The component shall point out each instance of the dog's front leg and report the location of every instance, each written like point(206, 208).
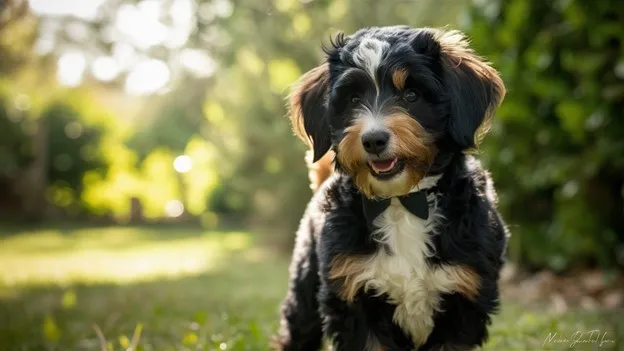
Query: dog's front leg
point(301, 328)
point(345, 325)
point(363, 324)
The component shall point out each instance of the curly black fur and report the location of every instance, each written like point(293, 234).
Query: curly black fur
point(470, 233)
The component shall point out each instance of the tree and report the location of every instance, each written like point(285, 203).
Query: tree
point(254, 50)
point(11, 10)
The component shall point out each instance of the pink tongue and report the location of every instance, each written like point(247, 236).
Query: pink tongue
point(383, 166)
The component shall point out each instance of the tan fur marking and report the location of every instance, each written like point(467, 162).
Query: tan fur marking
point(351, 155)
point(413, 143)
point(398, 78)
point(348, 267)
point(373, 344)
point(321, 170)
point(466, 279)
point(350, 148)
point(449, 347)
point(456, 53)
point(313, 78)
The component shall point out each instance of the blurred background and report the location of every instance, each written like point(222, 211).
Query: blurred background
point(150, 184)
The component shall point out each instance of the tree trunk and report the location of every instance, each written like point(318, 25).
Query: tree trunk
point(37, 175)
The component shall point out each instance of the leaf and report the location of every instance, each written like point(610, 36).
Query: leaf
point(249, 61)
point(51, 331)
point(337, 10)
point(190, 338)
point(282, 73)
point(285, 5)
point(272, 165)
point(200, 317)
point(136, 337)
point(124, 341)
point(571, 114)
point(214, 113)
point(69, 299)
point(301, 23)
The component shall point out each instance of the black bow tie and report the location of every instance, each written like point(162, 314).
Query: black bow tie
point(415, 202)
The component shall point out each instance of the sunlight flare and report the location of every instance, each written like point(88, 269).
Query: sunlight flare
point(119, 255)
point(147, 77)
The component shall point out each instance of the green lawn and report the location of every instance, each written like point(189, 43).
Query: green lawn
point(182, 289)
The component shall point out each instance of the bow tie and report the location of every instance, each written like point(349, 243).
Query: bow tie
point(416, 203)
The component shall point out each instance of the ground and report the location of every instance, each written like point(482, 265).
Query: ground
point(186, 289)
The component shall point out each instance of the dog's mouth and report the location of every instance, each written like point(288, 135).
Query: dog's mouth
point(387, 168)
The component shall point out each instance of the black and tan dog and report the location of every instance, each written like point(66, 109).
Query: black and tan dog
point(401, 247)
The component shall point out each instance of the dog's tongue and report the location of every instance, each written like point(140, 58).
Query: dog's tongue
point(383, 166)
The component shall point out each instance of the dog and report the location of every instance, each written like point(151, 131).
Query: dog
point(402, 245)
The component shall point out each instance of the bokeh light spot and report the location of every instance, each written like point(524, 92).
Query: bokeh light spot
point(147, 77)
point(22, 102)
point(70, 68)
point(105, 68)
point(174, 208)
point(183, 164)
point(73, 130)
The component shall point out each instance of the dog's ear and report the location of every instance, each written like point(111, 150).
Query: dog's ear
point(476, 89)
point(308, 107)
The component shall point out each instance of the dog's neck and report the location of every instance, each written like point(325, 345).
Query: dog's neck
point(426, 183)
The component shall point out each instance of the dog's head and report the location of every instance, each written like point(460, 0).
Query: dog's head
point(391, 101)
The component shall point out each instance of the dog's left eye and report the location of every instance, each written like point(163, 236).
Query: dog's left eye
point(411, 96)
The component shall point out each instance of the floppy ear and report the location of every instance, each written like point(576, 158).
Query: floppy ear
point(476, 89)
point(308, 110)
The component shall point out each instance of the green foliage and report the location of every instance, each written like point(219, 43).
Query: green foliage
point(171, 120)
point(73, 148)
point(259, 48)
point(14, 149)
point(271, 43)
point(227, 200)
point(556, 150)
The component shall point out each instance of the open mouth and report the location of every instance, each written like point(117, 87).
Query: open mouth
point(385, 169)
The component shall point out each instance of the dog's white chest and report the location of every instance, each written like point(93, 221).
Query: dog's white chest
point(402, 272)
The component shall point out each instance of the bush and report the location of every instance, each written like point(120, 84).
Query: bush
point(556, 150)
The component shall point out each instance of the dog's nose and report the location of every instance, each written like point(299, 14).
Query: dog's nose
point(375, 142)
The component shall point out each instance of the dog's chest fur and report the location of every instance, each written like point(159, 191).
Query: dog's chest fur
point(400, 269)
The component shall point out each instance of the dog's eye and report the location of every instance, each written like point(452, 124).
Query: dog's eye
point(411, 96)
point(354, 99)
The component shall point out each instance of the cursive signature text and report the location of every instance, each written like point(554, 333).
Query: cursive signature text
point(595, 337)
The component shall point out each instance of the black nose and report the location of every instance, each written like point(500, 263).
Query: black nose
point(375, 142)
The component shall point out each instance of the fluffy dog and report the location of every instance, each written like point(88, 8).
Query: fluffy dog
point(401, 247)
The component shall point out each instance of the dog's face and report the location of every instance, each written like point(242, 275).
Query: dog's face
point(390, 101)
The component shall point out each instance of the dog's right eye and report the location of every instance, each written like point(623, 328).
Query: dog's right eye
point(411, 95)
point(355, 99)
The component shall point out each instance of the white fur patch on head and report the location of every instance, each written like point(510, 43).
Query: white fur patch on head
point(368, 56)
point(370, 121)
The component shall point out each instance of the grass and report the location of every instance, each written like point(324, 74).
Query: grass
point(183, 289)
